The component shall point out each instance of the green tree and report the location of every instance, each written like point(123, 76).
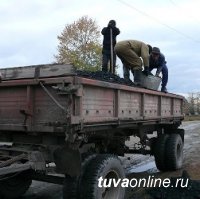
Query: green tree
point(79, 44)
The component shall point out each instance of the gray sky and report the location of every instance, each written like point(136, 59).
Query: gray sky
point(29, 30)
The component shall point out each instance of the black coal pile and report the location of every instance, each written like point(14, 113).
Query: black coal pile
point(191, 191)
point(104, 76)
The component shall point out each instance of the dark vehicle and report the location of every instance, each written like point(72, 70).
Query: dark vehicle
point(53, 121)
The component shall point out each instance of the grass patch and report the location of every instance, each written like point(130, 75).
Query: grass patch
point(191, 117)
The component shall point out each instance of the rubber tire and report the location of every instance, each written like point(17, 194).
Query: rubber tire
point(71, 186)
point(160, 151)
point(16, 186)
point(174, 152)
point(101, 166)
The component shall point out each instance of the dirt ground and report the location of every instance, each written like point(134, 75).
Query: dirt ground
point(192, 149)
point(143, 166)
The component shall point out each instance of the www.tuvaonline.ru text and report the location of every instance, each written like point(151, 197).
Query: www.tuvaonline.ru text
point(142, 182)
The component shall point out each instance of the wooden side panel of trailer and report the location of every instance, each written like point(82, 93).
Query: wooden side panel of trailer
point(25, 105)
point(102, 102)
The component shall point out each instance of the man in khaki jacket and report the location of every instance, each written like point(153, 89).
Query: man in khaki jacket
point(133, 55)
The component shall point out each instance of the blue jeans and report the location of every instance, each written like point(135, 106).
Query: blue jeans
point(164, 72)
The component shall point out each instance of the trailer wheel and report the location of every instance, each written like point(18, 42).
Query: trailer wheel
point(71, 186)
point(16, 185)
point(107, 167)
point(174, 152)
point(159, 152)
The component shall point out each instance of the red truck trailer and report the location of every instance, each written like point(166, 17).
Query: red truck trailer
point(53, 121)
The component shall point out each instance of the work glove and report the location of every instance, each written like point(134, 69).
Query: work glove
point(158, 71)
point(157, 74)
point(146, 71)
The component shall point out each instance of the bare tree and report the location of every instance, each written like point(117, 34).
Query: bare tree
point(194, 103)
point(198, 103)
point(191, 100)
point(79, 44)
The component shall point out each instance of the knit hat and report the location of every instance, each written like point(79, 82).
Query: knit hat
point(156, 50)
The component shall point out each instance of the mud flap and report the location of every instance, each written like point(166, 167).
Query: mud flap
point(68, 161)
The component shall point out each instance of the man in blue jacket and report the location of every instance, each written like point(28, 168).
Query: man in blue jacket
point(157, 60)
point(106, 51)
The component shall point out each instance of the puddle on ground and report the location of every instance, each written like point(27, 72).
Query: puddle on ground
point(149, 167)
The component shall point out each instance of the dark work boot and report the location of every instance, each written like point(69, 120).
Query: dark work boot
point(137, 77)
point(164, 89)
